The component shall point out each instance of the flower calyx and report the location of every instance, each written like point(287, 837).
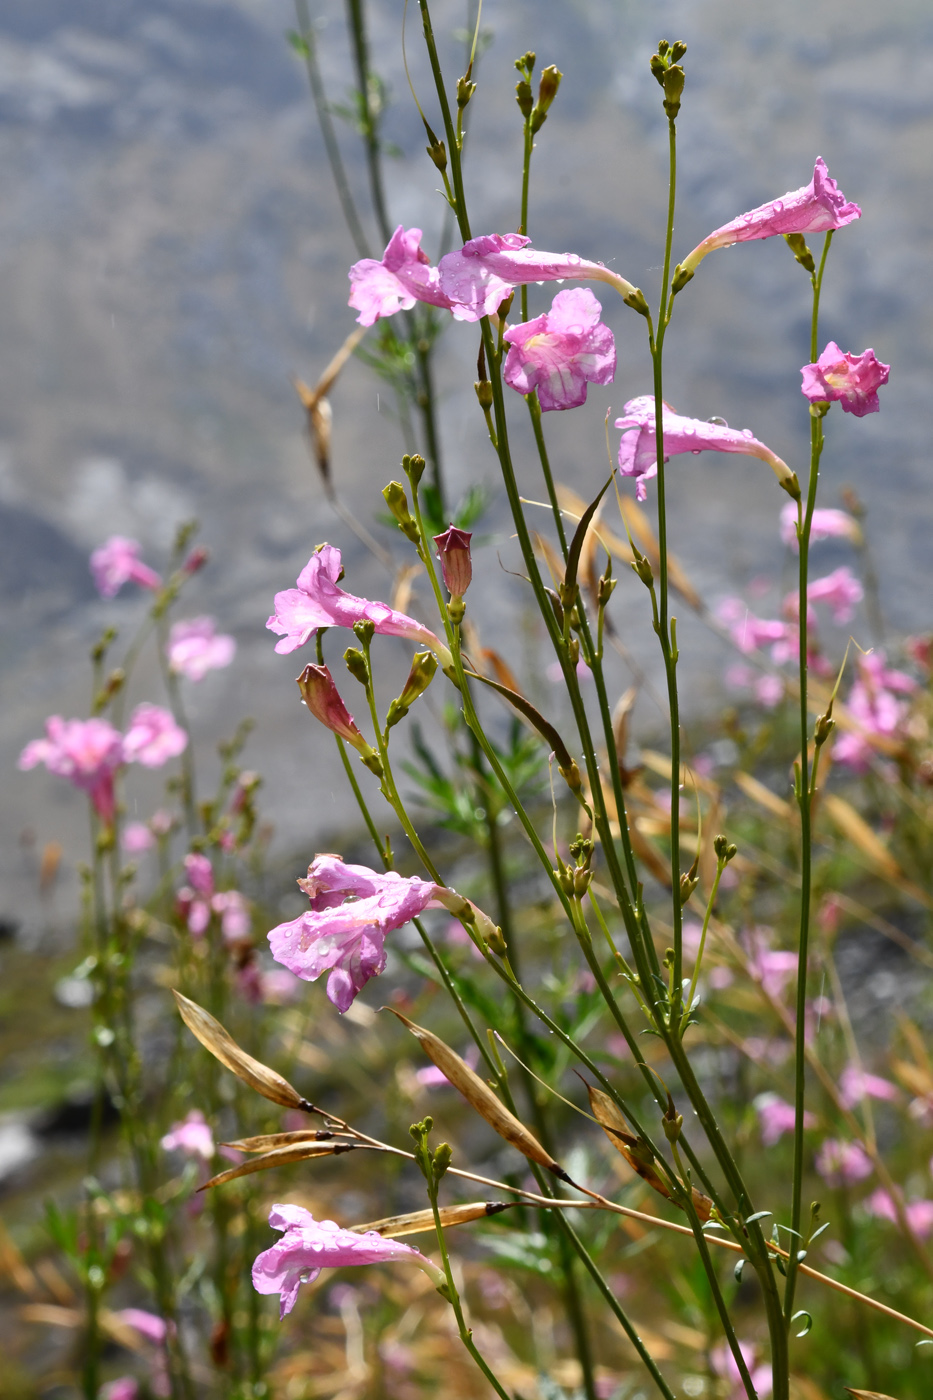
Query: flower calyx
point(397, 501)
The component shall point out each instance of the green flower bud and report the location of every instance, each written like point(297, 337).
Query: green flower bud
point(524, 98)
point(413, 467)
point(798, 246)
point(356, 665)
point(397, 502)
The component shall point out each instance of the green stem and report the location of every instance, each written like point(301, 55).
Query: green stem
point(804, 799)
point(356, 23)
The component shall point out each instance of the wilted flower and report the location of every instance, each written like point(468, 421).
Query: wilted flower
point(481, 274)
point(153, 737)
point(843, 1163)
point(403, 276)
point(814, 208)
point(556, 354)
point(852, 380)
point(638, 449)
point(117, 562)
point(308, 1246)
point(194, 648)
point(453, 550)
point(192, 1136)
point(824, 525)
point(318, 602)
point(85, 751)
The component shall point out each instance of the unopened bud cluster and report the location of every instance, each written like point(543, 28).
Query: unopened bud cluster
point(665, 65)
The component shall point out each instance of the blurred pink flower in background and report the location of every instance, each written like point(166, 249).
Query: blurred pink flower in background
point(874, 705)
point(403, 276)
point(777, 1117)
point(153, 737)
point(855, 1086)
point(774, 968)
point(768, 689)
point(723, 1364)
point(843, 1163)
point(195, 647)
point(318, 602)
point(841, 590)
point(271, 987)
point(152, 1329)
point(748, 632)
point(430, 1077)
point(137, 838)
point(919, 1213)
point(123, 1388)
point(307, 1246)
point(852, 380)
point(197, 901)
point(117, 562)
point(558, 353)
point(825, 524)
point(638, 449)
point(87, 752)
point(192, 1136)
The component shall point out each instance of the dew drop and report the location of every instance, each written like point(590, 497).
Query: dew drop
point(718, 422)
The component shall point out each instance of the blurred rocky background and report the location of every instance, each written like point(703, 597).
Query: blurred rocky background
point(171, 253)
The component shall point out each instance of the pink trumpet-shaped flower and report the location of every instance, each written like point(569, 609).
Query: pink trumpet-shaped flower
point(638, 450)
point(825, 525)
point(403, 276)
point(307, 1246)
point(194, 648)
point(814, 208)
point(852, 380)
point(153, 737)
point(559, 352)
point(318, 602)
point(343, 933)
point(87, 752)
point(117, 562)
point(481, 274)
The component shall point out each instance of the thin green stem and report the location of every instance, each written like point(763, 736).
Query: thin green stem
point(804, 796)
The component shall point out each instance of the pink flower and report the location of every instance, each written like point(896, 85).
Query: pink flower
point(852, 380)
point(318, 602)
point(343, 933)
point(723, 1364)
point(814, 208)
point(152, 1329)
point(430, 1077)
point(153, 737)
point(273, 988)
point(137, 838)
point(747, 631)
point(194, 648)
point(638, 449)
point(117, 562)
point(201, 874)
point(919, 1213)
point(404, 276)
point(233, 911)
point(855, 1085)
point(824, 525)
point(86, 752)
point(192, 1136)
point(776, 1117)
point(843, 1163)
point(307, 1246)
point(123, 1388)
point(559, 352)
point(840, 589)
point(197, 902)
point(481, 274)
point(774, 968)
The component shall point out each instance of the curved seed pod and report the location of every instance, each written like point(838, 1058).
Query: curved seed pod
point(479, 1096)
point(267, 1141)
point(225, 1049)
point(635, 1151)
point(868, 1394)
point(281, 1156)
point(421, 1221)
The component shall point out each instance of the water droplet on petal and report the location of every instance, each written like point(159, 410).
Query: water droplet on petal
point(719, 422)
point(695, 451)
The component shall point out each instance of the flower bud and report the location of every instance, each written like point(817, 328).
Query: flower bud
point(524, 98)
point(397, 501)
point(196, 560)
point(465, 90)
point(636, 300)
point(323, 699)
point(724, 849)
point(356, 665)
point(672, 1126)
point(420, 677)
point(825, 725)
point(438, 153)
point(642, 567)
point(484, 394)
point(571, 777)
point(547, 91)
point(441, 1160)
point(453, 550)
point(798, 246)
point(413, 467)
point(688, 883)
point(682, 275)
point(604, 591)
point(364, 629)
point(674, 80)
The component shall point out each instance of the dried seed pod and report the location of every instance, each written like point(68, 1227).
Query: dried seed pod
point(282, 1156)
point(635, 1151)
point(479, 1096)
point(225, 1049)
point(420, 1221)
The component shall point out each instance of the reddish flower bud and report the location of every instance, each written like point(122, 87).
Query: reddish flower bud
point(453, 550)
point(323, 699)
point(196, 559)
